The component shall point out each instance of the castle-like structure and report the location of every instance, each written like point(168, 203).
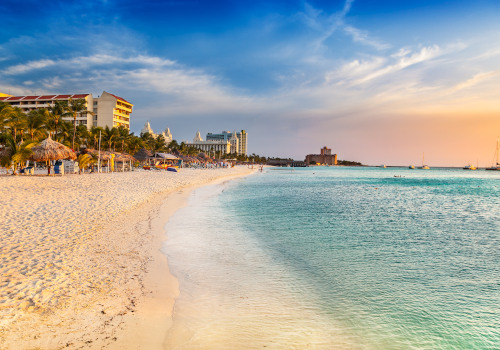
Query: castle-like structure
point(167, 135)
point(325, 157)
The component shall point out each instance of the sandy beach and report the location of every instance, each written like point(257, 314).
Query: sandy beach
point(80, 258)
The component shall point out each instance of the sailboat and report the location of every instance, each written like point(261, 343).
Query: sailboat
point(411, 167)
point(497, 166)
point(425, 167)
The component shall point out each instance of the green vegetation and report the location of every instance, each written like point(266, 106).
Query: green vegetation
point(348, 163)
point(19, 131)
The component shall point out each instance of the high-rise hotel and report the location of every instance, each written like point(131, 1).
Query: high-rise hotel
point(225, 142)
point(238, 140)
point(108, 109)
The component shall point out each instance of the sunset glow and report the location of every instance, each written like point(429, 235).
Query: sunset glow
point(378, 83)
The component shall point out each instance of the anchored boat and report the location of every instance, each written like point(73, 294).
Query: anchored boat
point(497, 166)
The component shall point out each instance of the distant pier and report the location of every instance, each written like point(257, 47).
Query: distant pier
point(287, 163)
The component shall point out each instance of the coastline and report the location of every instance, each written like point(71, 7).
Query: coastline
point(148, 326)
point(85, 270)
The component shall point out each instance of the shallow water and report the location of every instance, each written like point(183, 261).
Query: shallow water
point(352, 258)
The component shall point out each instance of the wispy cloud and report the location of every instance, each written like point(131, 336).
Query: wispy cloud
point(30, 66)
point(86, 61)
point(363, 37)
point(476, 79)
point(359, 72)
point(327, 24)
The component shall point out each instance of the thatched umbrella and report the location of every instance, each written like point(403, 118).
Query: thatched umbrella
point(123, 157)
point(49, 150)
point(143, 155)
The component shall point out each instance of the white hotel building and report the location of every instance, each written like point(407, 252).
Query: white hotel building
point(226, 142)
point(108, 109)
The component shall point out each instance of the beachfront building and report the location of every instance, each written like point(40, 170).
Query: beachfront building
point(238, 140)
point(167, 135)
point(108, 110)
point(210, 146)
point(111, 110)
point(325, 157)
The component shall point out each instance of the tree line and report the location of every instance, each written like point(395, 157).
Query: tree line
point(19, 131)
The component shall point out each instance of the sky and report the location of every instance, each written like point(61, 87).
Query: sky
point(379, 82)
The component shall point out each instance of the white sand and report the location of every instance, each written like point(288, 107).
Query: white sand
point(80, 265)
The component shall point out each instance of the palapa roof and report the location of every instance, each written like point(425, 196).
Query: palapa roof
point(123, 157)
point(106, 155)
point(165, 155)
point(190, 159)
point(143, 154)
point(49, 149)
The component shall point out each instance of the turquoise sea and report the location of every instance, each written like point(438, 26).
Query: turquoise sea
point(339, 258)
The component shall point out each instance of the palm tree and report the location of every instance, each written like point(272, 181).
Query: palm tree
point(35, 119)
point(173, 145)
point(84, 161)
point(15, 153)
point(159, 144)
point(82, 135)
point(134, 144)
point(14, 119)
point(110, 137)
point(53, 117)
point(75, 108)
point(123, 136)
point(3, 105)
point(65, 131)
point(94, 133)
point(148, 140)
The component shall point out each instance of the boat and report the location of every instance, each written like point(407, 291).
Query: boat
point(469, 167)
point(411, 167)
point(174, 169)
point(425, 167)
point(382, 166)
point(497, 166)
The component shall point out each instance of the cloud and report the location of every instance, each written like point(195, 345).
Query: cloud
point(476, 79)
point(30, 66)
point(170, 87)
point(359, 72)
point(86, 61)
point(362, 37)
point(347, 8)
point(328, 24)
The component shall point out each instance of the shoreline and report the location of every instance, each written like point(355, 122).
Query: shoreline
point(148, 327)
point(85, 270)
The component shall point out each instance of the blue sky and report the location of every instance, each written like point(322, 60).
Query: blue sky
point(378, 81)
